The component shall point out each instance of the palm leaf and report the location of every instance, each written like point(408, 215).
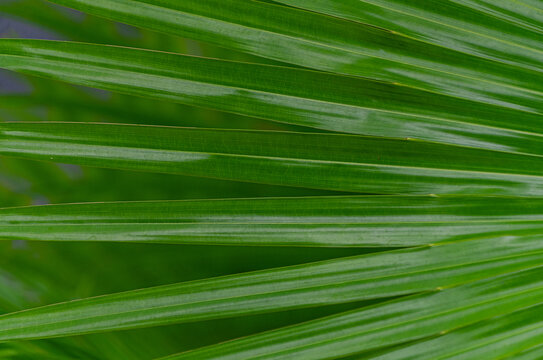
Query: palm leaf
point(387, 324)
point(440, 109)
point(354, 221)
point(326, 43)
point(322, 161)
point(496, 338)
point(294, 96)
point(493, 30)
point(370, 276)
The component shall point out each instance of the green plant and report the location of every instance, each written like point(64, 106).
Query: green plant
point(371, 180)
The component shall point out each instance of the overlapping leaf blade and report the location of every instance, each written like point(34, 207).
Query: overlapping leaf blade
point(386, 324)
point(497, 338)
point(327, 43)
point(330, 282)
point(324, 161)
point(466, 26)
point(534, 352)
point(462, 72)
point(294, 96)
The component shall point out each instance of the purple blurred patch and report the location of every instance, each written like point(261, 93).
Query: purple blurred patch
point(11, 83)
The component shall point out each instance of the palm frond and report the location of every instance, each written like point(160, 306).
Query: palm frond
point(378, 166)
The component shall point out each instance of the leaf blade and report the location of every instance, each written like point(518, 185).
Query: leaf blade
point(326, 43)
point(325, 161)
point(386, 324)
point(323, 283)
point(295, 96)
point(501, 337)
point(354, 221)
point(464, 26)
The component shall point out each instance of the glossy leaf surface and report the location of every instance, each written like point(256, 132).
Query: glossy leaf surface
point(387, 324)
point(415, 234)
point(327, 43)
point(504, 336)
point(465, 26)
point(334, 162)
point(383, 221)
point(295, 96)
point(336, 281)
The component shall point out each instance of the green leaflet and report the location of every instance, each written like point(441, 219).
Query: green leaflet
point(66, 102)
point(495, 338)
point(532, 353)
point(326, 43)
point(77, 270)
point(460, 25)
point(72, 106)
point(328, 282)
point(383, 221)
point(325, 161)
point(523, 13)
point(387, 324)
point(295, 96)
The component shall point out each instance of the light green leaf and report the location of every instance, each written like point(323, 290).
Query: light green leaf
point(496, 338)
point(295, 96)
point(384, 221)
point(535, 352)
point(386, 324)
point(335, 162)
point(465, 26)
point(439, 97)
point(327, 43)
point(329, 282)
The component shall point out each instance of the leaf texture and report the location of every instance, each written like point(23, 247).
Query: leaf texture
point(386, 324)
point(334, 162)
point(327, 43)
point(330, 282)
point(294, 96)
point(375, 221)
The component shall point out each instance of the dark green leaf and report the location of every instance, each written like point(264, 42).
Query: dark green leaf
point(294, 96)
point(335, 162)
point(326, 43)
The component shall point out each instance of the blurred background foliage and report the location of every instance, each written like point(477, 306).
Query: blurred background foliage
point(33, 274)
